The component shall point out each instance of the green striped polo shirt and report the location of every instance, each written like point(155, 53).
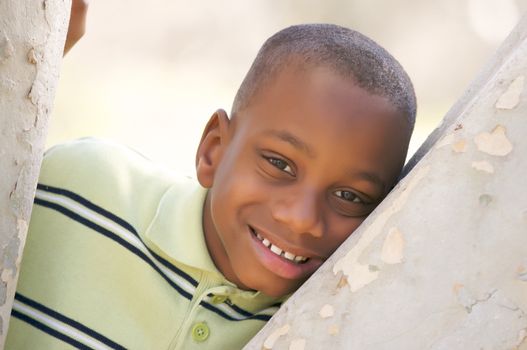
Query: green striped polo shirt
point(116, 258)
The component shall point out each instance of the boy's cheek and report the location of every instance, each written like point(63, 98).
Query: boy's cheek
point(341, 234)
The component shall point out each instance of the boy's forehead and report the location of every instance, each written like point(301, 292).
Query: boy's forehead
point(303, 86)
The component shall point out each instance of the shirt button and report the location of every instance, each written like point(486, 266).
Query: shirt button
point(218, 299)
point(200, 332)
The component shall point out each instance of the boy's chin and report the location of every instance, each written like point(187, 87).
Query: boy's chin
point(278, 290)
point(279, 294)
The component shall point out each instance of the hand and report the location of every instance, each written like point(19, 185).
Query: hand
point(77, 26)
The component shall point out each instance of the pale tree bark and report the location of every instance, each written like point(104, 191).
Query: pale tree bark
point(32, 34)
point(442, 263)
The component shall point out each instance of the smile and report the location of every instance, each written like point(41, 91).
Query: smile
point(298, 259)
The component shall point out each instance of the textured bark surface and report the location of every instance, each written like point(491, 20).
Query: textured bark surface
point(442, 263)
point(32, 35)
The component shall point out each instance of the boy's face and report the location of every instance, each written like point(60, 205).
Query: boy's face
point(294, 174)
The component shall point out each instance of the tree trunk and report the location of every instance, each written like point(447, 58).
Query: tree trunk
point(442, 263)
point(32, 35)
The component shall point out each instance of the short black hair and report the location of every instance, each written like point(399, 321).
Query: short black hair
point(341, 49)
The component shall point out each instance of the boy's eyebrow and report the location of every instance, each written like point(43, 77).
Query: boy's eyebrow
point(370, 177)
point(293, 140)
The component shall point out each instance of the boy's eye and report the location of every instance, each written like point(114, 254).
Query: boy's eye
point(348, 196)
point(280, 164)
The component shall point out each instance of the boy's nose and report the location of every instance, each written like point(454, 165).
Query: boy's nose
point(300, 212)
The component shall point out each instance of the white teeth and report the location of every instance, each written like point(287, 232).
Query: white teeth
point(300, 258)
point(275, 249)
point(279, 251)
point(289, 256)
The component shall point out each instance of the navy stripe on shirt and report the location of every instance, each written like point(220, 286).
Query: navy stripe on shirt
point(76, 217)
point(62, 318)
point(103, 212)
point(261, 317)
point(112, 217)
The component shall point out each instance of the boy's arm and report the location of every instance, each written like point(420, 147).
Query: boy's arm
point(77, 26)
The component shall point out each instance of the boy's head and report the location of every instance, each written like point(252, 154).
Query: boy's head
point(317, 137)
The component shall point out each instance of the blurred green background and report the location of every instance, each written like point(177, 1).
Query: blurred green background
point(150, 73)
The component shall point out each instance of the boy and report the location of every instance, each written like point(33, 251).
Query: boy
point(123, 255)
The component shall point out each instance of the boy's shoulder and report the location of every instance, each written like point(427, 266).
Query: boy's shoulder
point(90, 159)
point(90, 153)
point(115, 177)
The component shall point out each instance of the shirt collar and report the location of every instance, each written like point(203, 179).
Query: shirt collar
point(177, 228)
point(177, 233)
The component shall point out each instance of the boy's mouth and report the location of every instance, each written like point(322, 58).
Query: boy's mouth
point(297, 259)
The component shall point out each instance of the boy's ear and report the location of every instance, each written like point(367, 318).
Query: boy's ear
point(211, 147)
